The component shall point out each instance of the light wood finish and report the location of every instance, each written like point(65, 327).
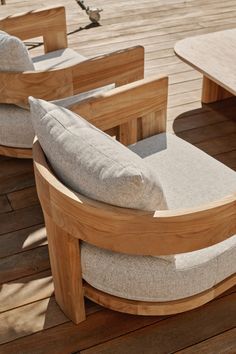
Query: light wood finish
point(64, 253)
point(119, 67)
point(169, 232)
point(118, 107)
point(157, 25)
point(157, 308)
point(15, 152)
point(212, 92)
point(124, 230)
point(214, 55)
point(49, 23)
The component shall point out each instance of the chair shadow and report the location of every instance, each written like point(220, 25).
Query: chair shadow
point(32, 45)
point(211, 128)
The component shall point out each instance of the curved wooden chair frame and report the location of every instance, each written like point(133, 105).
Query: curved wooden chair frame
point(71, 217)
point(119, 67)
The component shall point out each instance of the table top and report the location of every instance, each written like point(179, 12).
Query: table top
point(213, 54)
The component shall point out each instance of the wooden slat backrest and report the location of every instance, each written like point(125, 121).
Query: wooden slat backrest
point(49, 23)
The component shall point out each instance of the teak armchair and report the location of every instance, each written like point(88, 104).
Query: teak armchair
point(73, 220)
point(59, 81)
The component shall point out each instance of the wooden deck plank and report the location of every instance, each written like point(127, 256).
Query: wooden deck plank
point(31, 321)
point(4, 204)
point(26, 290)
point(100, 326)
point(223, 343)
point(177, 332)
point(22, 240)
point(23, 264)
point(20, 219)
point(23, 198)
point(15, 174)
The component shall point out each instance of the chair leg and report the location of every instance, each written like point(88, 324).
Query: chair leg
point(64, 253)
point(212, 92)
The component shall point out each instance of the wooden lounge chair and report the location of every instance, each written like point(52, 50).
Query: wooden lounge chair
point(21, 77)
point(92, 189)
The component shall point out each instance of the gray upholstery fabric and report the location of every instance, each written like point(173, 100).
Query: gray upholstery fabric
point(154, 279)
point(70, 101)
point(13, 54)
point(189, 178)
point(91, 162)
point(58, 59)
point(16, 128)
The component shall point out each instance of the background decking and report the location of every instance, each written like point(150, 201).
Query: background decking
point(30, 320)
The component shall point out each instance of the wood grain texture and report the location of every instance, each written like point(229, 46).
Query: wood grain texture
point(64, 252)
point(175, 333)
point(25, 290)
point(222, 343)
point(119, 67)
point(23, 198)
point(15, 152)
point(20, 219)
point(24, 264)
point(155, 308)
point(213, 55)
point(169, 232)
point(145, 100)
point(49, 23)
point(212, 92)
point(119, 229)
point(22, 240)
point(156, 25)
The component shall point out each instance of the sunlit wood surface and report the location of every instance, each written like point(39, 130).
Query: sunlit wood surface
point(30, 320)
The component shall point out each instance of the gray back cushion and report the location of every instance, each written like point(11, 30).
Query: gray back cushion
point(14, 55)
point(91, 162)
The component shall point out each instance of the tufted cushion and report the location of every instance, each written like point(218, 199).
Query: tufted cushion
point(91, 162)
point(189, 178)
point(14, 55)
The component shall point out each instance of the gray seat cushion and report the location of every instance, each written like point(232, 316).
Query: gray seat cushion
point(147, 278)
point(189, 178)
point(91, 162)
point(57, 59)
point(16, 129)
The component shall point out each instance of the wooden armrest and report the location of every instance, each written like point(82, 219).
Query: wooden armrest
point(15, 88)
point(119, 67)
point(145, 98)
point(130, 231)
point(49, 23)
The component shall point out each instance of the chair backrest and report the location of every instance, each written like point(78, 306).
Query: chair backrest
point(49, 23)
point(16, 87)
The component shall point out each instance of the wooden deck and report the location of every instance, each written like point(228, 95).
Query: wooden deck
point(30, 320)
